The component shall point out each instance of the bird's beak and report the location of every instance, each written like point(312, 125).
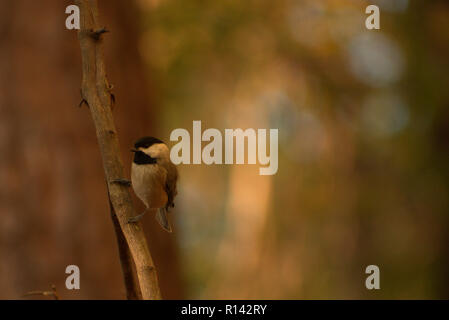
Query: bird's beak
point(134, 150)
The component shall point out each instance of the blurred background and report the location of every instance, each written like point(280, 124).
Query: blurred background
point(363, 119)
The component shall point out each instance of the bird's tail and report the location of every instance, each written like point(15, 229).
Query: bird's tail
point(161, 217)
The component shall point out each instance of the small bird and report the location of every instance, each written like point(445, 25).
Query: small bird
point(153, 178)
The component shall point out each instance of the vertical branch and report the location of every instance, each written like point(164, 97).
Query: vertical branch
point(131, 283)
point(95, 91)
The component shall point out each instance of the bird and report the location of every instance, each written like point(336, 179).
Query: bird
point(153, 179)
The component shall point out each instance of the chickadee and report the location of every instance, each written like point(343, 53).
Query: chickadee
point(153, 178)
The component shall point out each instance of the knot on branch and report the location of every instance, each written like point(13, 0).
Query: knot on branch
point(83, 100)
point(96, 34)
point(110, 87)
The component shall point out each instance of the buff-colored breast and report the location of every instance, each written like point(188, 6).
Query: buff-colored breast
point(148, 182)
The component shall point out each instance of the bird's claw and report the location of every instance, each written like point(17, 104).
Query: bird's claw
point(136, 218)
point(122, 182)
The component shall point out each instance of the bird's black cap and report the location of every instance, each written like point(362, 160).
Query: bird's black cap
point(146, 142)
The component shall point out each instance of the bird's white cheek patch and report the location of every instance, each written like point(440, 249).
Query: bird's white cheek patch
point(157, 150)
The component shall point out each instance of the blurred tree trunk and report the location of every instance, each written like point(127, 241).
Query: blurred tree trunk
point(53, 200)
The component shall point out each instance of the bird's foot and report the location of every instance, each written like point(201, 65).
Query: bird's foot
point(122, 182)
point(137, 218)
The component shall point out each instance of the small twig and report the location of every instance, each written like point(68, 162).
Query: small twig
point(83, 101)
point(51, 293)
